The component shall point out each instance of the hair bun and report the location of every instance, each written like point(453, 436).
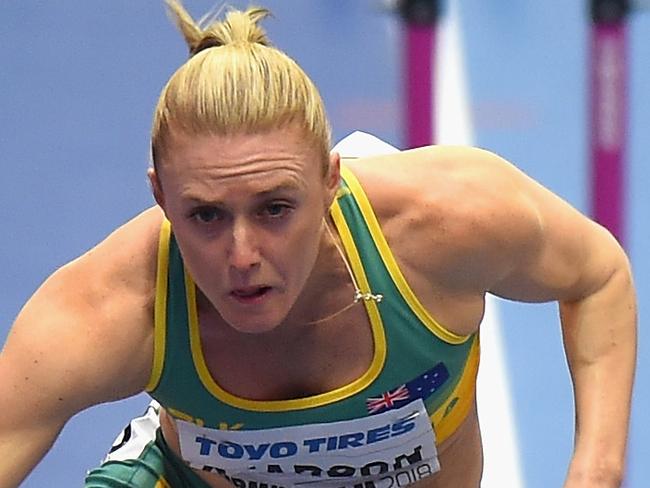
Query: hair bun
point(237, 27)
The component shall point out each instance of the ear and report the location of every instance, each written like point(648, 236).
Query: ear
point(333, 178)
point(156, 187)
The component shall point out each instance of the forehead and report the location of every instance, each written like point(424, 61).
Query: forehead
point(260, 162)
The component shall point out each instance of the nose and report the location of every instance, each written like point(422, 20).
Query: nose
point(244, 253)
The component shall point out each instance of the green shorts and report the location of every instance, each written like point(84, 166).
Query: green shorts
point(140, 458)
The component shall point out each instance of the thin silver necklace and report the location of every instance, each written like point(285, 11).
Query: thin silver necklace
point(359, 296)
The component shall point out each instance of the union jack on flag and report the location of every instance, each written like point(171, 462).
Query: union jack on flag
point(422, 386)
point(388, 399)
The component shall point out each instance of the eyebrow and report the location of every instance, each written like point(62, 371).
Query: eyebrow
point(288, 186)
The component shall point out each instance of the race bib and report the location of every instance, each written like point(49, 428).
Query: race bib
point(391, 449)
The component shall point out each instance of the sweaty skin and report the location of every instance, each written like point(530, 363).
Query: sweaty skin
point(247, 211)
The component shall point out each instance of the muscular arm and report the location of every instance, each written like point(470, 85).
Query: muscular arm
point(82, 339)
point(558, 254)
point(507, 235)
point(578, 263)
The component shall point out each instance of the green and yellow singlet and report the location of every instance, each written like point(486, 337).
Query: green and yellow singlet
point(415, 359)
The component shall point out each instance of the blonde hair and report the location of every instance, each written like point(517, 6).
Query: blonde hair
point(235, 81)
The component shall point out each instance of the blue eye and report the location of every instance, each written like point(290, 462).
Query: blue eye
point(276, 210)
point(207, 215)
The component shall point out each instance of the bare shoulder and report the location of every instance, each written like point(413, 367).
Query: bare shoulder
point(126, 259)
point(445, 208)
point(85, 336)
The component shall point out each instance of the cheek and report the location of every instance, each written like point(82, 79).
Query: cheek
point(200, 257)
point(303, 250)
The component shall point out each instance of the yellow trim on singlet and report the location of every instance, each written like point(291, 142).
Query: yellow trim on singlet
point(162, 483)
point(463, 395)
point(391, 264)
point(321, 399)
point(160, 307)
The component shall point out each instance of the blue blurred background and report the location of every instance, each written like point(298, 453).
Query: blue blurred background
point(78, 83)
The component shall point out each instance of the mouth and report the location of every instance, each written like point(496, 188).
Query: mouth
point(250, 294)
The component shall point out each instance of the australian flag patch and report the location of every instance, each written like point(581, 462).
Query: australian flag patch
point(422, 387)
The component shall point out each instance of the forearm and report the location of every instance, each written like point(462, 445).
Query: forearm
point(20, 452)
point(600, 342)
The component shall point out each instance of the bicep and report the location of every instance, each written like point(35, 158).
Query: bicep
point(566, 256)
point(73, 345)
point(43, 365)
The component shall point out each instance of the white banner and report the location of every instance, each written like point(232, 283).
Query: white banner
point(391, 449)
